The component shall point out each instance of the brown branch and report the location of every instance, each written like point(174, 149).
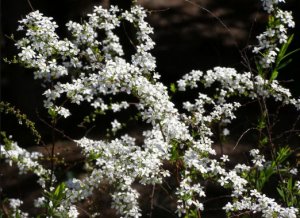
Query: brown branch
point(152, 201)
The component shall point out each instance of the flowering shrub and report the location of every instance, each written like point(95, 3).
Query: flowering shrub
point(87, 69)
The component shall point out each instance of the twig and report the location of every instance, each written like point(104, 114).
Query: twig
point(220, 139)
point(287, 132)
point(219, 20)
point(240, 138)
point(128, 37)
point(217, 198)
point(293, 128)
point(4, 209)
point(165, 209)
point(162, 132)
point(57, 130)
point(159, 10)
point(84, 211)
point(30, 5)
point(152, 201)
point(53, 123)
point(166, 191)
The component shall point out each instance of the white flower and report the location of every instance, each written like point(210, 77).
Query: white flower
point(97, 71)
point(223, 181)
point(294, 171)
point(226, 132)
point(27, 54)
point(225, 158)
point(62, 111)
point(116, 125)
point(297, 185)
point(73, 213)
point(40, 202)
point(15, 203)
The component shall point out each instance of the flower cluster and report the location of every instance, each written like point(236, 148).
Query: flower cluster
point(41, 46)
point(115, 126)
point(276, 33)
point(238, 84)
point(14, 205)
point(270, 5)
point(121, 162)
point(26, 161)
point(258, 159)
point(258, 202)
point(95, 71)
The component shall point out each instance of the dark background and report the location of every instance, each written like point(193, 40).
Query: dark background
point(187, 37)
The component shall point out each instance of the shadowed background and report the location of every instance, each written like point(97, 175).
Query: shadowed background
point(188, 35)
point(196, 34)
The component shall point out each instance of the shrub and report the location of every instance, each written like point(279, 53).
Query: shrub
point(91, 67)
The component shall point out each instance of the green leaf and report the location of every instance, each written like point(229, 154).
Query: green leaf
point(274, 75)
point(284, 48)
point(282, 155)
point(59, 194)
point(282, 54)
point(281, 193)
point(59, 189)
point(290, 53)
point(261, 123)
point(259, 69)
point(284, 64)
point(290, 184)
point(53, 114)
point(173, 88)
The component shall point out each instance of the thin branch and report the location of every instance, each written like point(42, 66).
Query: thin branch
point(165, 209)
point(240, 138)
point(128, 37)
point(159, 10)
point(287, 132)
point(84, 211)
point(152, 201)
point(217, 198)
point(165, 189)
point(30, 5)
point(57, 130)
point(293, 128)
point(162, 132)
point(219, 20)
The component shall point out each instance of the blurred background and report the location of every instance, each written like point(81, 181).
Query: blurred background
point(189, 34)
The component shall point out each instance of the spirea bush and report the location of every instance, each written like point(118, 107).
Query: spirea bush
point(90, 67)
